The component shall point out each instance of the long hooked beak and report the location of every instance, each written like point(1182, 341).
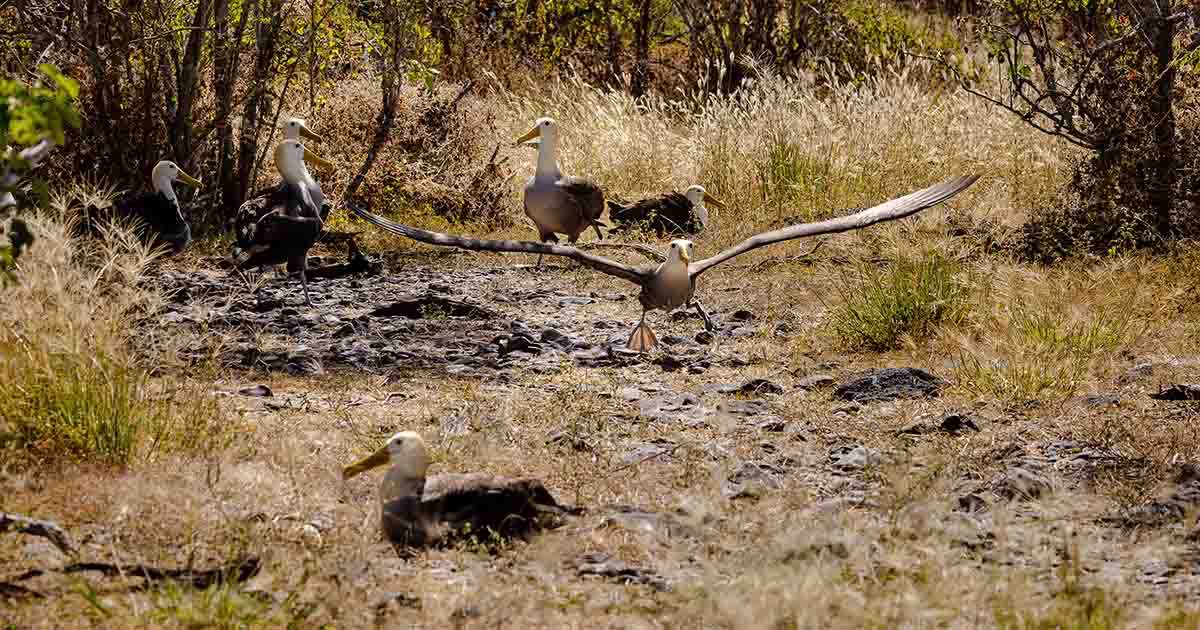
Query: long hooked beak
point(713, 200)
point(535, 143)
point(305, 132)
point(685, 255)
point(313, 158)
point(374, 460)
point(188, 179)
point(536, 132)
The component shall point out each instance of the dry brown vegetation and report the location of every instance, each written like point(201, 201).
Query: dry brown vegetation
point(893, 543)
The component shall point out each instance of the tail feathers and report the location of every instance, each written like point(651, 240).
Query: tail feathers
point(615, 206)
point(642, 339)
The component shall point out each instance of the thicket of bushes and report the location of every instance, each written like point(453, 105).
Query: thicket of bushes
point(206, 82)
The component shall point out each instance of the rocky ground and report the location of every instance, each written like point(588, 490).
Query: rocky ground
point(721, 480)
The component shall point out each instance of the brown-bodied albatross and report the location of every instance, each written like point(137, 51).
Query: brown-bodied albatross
point(288, 230)
point(417, 512)
point(669, 213)
point(557, 203)
point(673, 283)
point(159, 213)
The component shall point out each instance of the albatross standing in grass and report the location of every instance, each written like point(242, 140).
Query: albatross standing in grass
point(670, 213)
point(416, 512)
point(557, 203)
point(673, 283)
point(159, 213)
point(287, 231)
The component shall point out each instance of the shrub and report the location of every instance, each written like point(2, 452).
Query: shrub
point(911, 298)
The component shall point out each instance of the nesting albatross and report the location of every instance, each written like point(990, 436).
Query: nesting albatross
point(670, 213)
point(673, 283)
point(418, 512)
point(557, 203)
point(159, 214)
point(287, 231)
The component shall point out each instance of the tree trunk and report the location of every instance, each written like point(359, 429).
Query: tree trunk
point(225, 74)
point(1162, 38)
point(188, 82)
point(265, 40)
point(639, 81)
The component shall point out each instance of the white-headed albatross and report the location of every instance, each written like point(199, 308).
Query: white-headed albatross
point(417, 512)
point(670, 213)
point(286, 232)
point(159, 213)
point(557, 203)
point(673, 283)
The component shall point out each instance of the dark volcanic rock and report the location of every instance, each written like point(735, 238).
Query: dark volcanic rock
point(1184, 391)
point(890, 384)
point(637, 519)
point(257, 391)
point(853, 457)
point(752, 386)
point(430, 306)
point(952, 423)
point(603, 565)
point(751, 480)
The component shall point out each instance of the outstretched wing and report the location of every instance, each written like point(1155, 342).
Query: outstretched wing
point(888, 211)
point(637, 275)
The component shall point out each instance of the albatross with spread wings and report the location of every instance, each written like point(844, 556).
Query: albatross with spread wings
point(673, 283)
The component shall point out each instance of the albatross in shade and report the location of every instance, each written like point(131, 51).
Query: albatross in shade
point(418, 512)
point(670, 213)
point(557, 203)
point(158, 213)
point(673, 283)
point(288, 230)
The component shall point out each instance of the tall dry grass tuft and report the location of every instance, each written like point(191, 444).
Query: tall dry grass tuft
point(1047, 334)
point(71, 384)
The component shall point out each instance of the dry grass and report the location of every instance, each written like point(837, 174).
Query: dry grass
point(886, 546)
point(69, 383)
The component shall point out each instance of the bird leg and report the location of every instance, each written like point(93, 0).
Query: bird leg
point(599, 236)
point(298, 264)
point(708, 322)
point(304, 284)
point(546, 238)
point(642, 339)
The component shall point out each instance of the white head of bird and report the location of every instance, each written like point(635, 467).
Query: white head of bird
point(404, 451)
point(290, 156)
point(294, 129)
point(544, 130)
point(164, 174)
point(698, 196)
point(681, 251)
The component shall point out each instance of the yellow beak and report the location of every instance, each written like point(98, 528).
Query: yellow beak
point(685, 256)
point(313, 158)
point(535, 143)
point(189, 180)
point(536, 132)
point(713, 200)
point(305, 133)
point(374, 460)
